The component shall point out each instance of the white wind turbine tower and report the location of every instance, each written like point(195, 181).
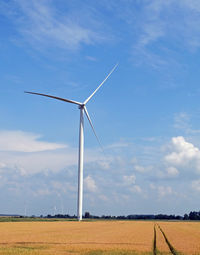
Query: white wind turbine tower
point(82, 107)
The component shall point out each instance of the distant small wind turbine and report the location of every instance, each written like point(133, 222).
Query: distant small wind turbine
point(55, 210)
point(82, 107)
point(25, 210)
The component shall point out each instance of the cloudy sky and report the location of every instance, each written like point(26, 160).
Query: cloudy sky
point(147, 114)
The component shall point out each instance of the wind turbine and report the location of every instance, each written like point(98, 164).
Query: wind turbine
point(82, 108)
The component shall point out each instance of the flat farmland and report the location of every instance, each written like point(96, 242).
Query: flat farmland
point(183, 236)
point(76, 237)
point(99, 237)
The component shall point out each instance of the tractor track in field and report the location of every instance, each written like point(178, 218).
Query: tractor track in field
point(154, 241)
point(171, 248)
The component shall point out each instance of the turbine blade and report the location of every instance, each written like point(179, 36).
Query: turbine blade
point(100, 85)
point(54, 97)
point(88, 116)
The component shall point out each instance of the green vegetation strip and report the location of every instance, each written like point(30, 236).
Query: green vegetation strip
point(27, 219)
point(173, 251)
point(20, 250)
point(116, 252)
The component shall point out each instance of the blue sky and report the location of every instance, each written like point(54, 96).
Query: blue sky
point(146, 114)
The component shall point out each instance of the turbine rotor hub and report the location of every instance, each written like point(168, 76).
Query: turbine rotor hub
point(81, 106)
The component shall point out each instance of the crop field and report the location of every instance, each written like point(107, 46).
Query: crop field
point(99, 237)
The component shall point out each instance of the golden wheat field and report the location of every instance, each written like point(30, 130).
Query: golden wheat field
point(99, 237)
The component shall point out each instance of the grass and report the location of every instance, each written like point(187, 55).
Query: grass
point(31, 219)
point(116, 252)
point(42, 250)
point(20, 251)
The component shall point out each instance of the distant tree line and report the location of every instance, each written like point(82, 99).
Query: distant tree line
point(191, 216)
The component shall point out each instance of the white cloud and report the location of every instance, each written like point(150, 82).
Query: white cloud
point(31, 163)
point(176, 22)
point(172, 171)
point(183, 153)
point(90, 184)
point(167, 172)
point(196, 185)
point(136, 189)
point(151, 33)
point(142, 169)
point(134, 160)
point(158, 13)
point(2, 165)
point(163, 191)
point(139, 168)
point(118, 145)
point(193, 4)
point(129, 180)
point(28, 154)
point(43, 25)
point(105, 164)
point(43, 192)
point(152, 186)
point(103, 197)
point(182, 122)
point(90, 58)
point(20, 141)
point(63, 187)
